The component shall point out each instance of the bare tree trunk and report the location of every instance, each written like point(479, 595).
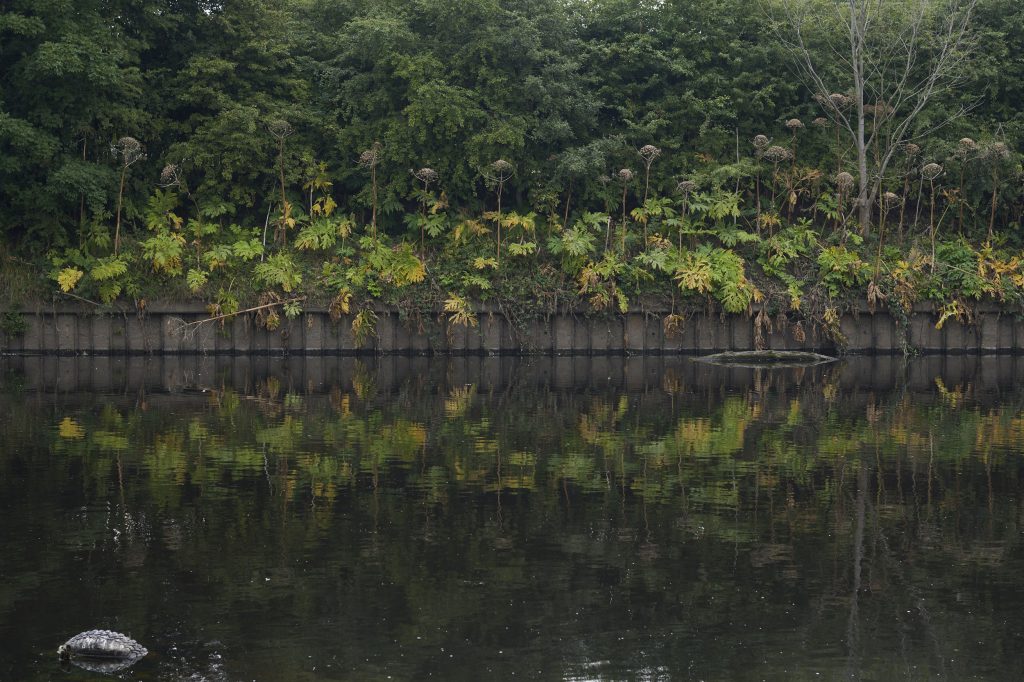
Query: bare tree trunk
point(864, 180)
point(903, 57)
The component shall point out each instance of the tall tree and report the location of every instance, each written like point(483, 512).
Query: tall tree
point(69, 87)
point(892, 58)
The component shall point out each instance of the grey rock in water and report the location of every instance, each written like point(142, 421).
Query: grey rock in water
point(102, 651)
point(767, 359)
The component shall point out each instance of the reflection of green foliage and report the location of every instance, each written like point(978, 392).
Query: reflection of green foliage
point(283, 437)
point(653, 493)
point(600, 444)
point(105, 440)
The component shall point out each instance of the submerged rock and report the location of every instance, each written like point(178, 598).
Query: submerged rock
point(767, 358)
point(101, 651)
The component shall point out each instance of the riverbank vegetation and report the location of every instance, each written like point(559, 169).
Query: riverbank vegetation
point(529, 154)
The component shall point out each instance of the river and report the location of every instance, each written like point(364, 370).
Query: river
point(592, 518)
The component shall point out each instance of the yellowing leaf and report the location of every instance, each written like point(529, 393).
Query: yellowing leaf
point(480, 263)
point(341, 304)
point(69, 278)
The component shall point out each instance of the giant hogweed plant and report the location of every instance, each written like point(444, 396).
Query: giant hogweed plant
point(721, 232)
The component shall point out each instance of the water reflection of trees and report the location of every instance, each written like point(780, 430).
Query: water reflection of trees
point(888, 523)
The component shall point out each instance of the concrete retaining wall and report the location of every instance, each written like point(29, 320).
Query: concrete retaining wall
point(73, 330)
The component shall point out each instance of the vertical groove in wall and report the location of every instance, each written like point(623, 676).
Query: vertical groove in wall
point(66, 331)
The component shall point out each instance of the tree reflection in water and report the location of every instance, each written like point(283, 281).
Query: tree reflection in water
point(593, 518)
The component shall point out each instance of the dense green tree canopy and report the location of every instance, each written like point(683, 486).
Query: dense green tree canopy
point(259, 118)
point(566, 90)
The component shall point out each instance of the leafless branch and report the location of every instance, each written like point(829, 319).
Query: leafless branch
point(901, 57)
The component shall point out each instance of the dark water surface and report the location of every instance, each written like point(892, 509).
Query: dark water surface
point(468, 519)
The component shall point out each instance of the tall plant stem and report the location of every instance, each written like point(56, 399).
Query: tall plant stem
point(500, 187)
point(917, 204)
point(117, 222)
point(960, 200)
point(283, 236)
point(903, 205)
point(81, 203)
point(775, 182)
point(373, 216)
point(841, 214)
point(647, 184)
point(995, 194)
point(881, 240)
point(931, 221)
point(623, 219)
point(568, 198)
point(682, 217)
point(757, 198)
point(839, 152)
point(423, 221)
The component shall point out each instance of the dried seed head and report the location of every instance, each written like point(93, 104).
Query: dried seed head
point(169, 175)
point(911, 149)
point(370, 157)
point(880, 108)
point(794, 124)
point(649, 153)
point(625, 176)
point(280, 129)
point(427, 176)
point(820, 122)
point(777, 154)
point(128, 150)
point(965, 148)
point(501, 167)
point(888, 200)
point(997, 151)
point(129, 144)
point(761, 142)
point(844, 181)
point(839, 101)
point(930, 171)
point(604, 179)
point(686, 187)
